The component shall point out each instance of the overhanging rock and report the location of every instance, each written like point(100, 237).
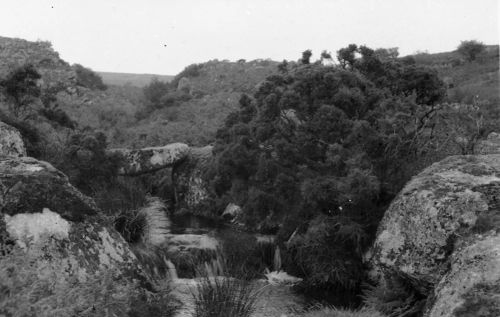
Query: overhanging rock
point(150, 159)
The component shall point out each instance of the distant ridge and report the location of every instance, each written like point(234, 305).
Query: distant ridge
point(137, 80)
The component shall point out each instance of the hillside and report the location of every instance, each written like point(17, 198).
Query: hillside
point(214, 91)
point(467, 81)
point(137, 80)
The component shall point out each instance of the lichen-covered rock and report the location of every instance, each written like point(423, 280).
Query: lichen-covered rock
point(146, 160)
point(11, 142)
point(232, 212)
point(437, 209)
point(187, 177)
point(472, 285)
point(28, 186)
point(489, 146)
point(441, 236)
point(66, 268)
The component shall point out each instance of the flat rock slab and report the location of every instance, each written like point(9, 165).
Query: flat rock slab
point(150, 159)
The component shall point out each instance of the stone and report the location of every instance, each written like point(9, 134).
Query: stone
point(191, 189)
point(28, 186)
point(150, 159)
point(437, 209)
point(11, 142)
point(472, 285)
point(489, 146)
point(232, 212)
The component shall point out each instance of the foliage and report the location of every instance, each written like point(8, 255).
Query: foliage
point(87, 78)
point(470, 49)
point(330, 252)
point(86, 162)
point(397, 296)
point(244, 257)
point(327, 143)
point(21, 88)
point(224, 297)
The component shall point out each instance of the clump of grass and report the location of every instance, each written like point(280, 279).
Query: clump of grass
point(224, 297)
point(131, 225)
point(397, 296)
point(334, 312)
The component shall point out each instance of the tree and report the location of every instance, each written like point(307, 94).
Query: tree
point(21, 88)
point(320, 145)
point(470, 49)
point(306, 56)
point(346, 56)
point(87, 78)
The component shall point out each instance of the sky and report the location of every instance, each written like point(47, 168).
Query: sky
point(164, 36)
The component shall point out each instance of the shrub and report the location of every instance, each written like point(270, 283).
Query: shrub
point(87, 78)
point(470, 49)
point(224, 297)
point(244, 257)
point(397, 295)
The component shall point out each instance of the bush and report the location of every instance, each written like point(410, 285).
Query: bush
point(470, 49)
point(87, 78)
point(397, 295)
point(224, 297)
point(244, 257)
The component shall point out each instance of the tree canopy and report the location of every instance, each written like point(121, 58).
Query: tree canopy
point(324, 142)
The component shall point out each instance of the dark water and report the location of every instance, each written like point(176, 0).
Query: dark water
point(191, 224)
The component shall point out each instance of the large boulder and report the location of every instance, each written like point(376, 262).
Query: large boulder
point(439, 234)
point(28, 186)
point(57, 258)
point(150, 159)
point(191, 189)
point(11, 142)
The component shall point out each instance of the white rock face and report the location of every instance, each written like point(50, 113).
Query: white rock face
point(11, 142)
point(150, 159)
point(34, 227)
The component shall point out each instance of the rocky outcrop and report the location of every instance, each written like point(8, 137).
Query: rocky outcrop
point(146, 160)
point(28, 186)
point(187, 176)
point(11, 142)
point(439, 233)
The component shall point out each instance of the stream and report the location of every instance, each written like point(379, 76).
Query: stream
point(276, 296)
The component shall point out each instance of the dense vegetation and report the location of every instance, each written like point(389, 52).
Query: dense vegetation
point(321, 150)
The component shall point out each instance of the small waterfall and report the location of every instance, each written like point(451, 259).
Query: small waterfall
point(172, 271)
point(277, 259)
